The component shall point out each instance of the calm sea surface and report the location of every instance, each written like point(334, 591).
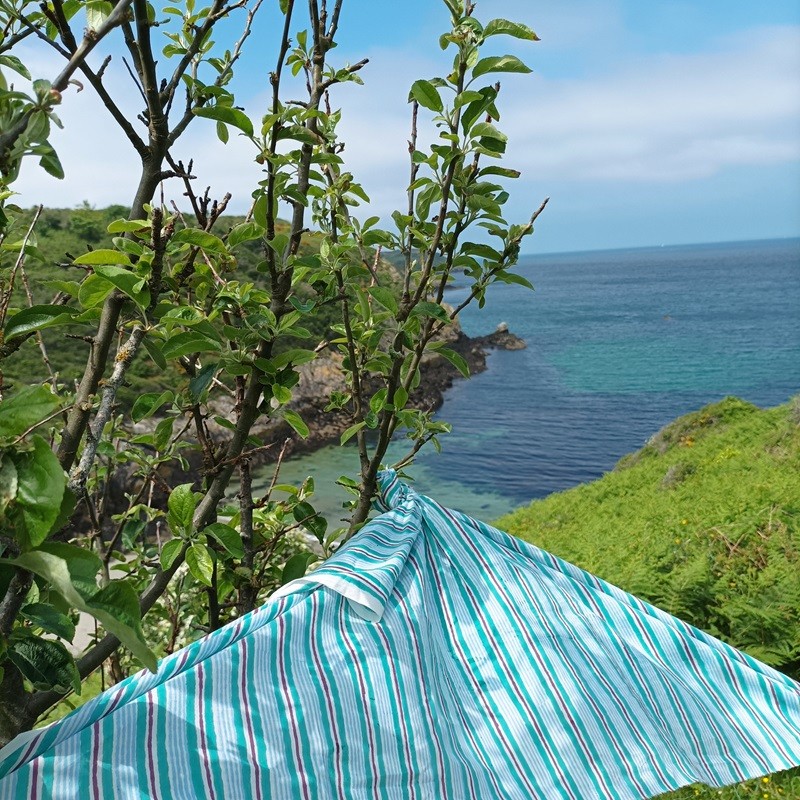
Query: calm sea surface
point(619, 343)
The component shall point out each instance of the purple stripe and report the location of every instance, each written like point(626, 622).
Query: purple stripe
point(201, 727)
point(31, 747)
point(293, 725)
point(248, 723)
point(328, 696)
point(96, 733)
point(114, 703)
point(150, 744)
point(35, 780)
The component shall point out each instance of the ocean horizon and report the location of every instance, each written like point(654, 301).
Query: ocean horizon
point(619, 343)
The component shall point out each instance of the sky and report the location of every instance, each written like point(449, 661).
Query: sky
point(644, 123)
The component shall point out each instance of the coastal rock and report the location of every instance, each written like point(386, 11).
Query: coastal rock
point(324, 376)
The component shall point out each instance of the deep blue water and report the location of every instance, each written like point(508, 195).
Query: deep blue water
point(619, 343)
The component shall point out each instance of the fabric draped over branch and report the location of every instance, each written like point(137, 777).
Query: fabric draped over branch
point(432, 657)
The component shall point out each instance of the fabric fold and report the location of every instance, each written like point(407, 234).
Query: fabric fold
point(433, 657)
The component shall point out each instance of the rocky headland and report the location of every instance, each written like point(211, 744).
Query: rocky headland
point(321, 377)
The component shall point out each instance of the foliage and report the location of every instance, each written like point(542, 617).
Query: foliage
point(704, 522)
point(781, 786)
point(123, 504)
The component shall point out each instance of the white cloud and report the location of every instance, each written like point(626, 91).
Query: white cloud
point(667, 118)
point(656, 119)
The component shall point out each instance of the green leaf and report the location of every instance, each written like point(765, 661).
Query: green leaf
point(467, 96)
point(169, 552)
point(200, 563)
point(385, 296)
point(97, 12)
point(228, 537)
point(426, 95)
point(121, 618)
point(296, 422)
point(378, 400)
point(456, 360)
point(12, 62)
point(40, 488)
point(281, 393)
point(141, 226)
point(486, 129)
point(400, 398)
point(23, 410)
point(503, 172)
point(147, 404)
point(296, 566)
point(154, 352)
point(228, 115)
point(481, 250)
point(245, 232)
point(351, 431)
point(116, 608)
point(49, 619)
point(163, 433)
point(181, 503)
point(500, 64)
point(83, 565)
point(513, 277)
point(50, 162)
point(198, 238)
point(8, 483)
point(127, 282)
point(103, 257)
point(45, 663)
point(428, 309)
point(497, 27)
point(200, 382)
point(295, 356)
point(479, 202)
point(188, 342)
point(37, 318)
point(94, 291)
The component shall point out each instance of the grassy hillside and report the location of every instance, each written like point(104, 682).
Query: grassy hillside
point(704, 522)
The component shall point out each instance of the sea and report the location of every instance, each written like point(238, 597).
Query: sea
point(619, 343)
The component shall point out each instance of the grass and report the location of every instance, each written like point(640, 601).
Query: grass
point(704, 522)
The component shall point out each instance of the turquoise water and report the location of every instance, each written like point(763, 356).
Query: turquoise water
point(619, 343)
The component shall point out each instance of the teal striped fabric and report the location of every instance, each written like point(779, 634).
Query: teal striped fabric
point(432, 657)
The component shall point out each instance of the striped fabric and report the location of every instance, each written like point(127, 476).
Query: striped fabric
point(432, 657)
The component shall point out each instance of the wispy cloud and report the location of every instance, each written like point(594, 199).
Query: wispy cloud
point(653, 120)
point(666, 118)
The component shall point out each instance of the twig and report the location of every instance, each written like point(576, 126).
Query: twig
point(40, 422)
point(274, 482)
point(17, 264)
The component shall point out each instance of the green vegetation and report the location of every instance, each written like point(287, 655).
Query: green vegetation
point(704, 522)
point(62, 235)
point(124, 433)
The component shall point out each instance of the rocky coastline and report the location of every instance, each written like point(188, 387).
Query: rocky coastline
point(318, 379)
point(323, 375)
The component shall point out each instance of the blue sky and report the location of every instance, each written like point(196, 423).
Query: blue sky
point(645, 123)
